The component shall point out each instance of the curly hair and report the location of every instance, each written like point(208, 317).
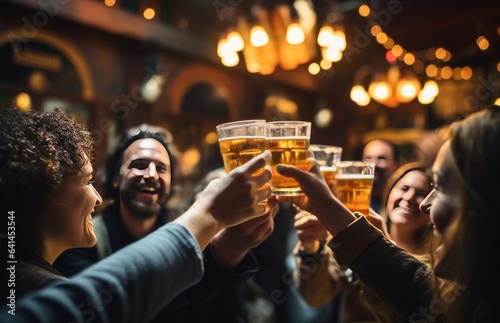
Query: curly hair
point(38, 151)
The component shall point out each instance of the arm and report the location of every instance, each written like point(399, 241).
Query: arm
point(232, 244)
point(143, 277)
point(317, 275)
point(246, 184)
point(395, 276)
point(228, 258)
point(361, 247)
point(128, 286)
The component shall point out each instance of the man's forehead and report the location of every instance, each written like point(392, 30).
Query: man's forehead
point(146, 148)
point(378, 148)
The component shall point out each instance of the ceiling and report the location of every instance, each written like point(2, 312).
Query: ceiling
point(415, 25)
point(192, 28)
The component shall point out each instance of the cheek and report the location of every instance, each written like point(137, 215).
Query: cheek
point(441, 214)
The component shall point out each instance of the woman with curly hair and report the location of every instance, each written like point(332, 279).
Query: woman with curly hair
point(46, 184)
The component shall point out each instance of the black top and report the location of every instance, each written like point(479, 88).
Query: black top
point(33, 272)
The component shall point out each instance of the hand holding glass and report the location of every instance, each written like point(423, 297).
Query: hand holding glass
point(354, 185)
point(241, 141)
point(327, 158)
point(288, 142)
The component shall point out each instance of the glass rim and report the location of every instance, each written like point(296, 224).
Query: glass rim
point(335, 148)
point(294, 122)
point(355, 163)
point(241, 122)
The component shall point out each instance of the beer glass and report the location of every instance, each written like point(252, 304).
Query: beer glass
point(327, 158)
point(240, 141)
point(288, 142)
point(354, 185)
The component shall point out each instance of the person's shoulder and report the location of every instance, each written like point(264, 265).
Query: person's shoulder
point(31, 276)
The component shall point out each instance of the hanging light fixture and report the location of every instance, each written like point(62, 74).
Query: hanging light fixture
point(285, 35)
point(390, 87)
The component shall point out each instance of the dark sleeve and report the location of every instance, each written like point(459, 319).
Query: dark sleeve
point(73, 261)
point(216, 279)
point(131, 285)
point(396, 277)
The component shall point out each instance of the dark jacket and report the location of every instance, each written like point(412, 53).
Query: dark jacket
point(195, 304)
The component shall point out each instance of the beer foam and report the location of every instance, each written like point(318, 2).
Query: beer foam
point(242, 138)
point(354, 176)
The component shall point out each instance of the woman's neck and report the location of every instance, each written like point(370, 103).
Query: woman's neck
point(404, 239)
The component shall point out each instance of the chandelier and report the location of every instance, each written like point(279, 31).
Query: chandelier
point(391, 87)
point(284, 35)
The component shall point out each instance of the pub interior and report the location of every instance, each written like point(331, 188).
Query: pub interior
point(357, 70)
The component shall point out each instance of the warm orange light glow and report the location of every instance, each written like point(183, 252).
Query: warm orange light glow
point(364, 10)
point(325, 36)
point(258, 36)
point(23, 101)
point(381, 37)
point(235, 41)
point(149, 13)
point(295, 34)
point(466, 73)
point(360, 96)
point(314, 68)
point(431, 70)
point(230, 59)
point(446, 72)
point(409, 59)
point(482, 43)
point(375, 30)
point(109, 3)
point(211, 138)
point(389, 43)
point(326, 64)
point(440, 53)
point(397, 50)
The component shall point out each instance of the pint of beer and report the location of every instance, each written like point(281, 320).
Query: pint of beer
point(354, 185)
point(288, 142)
point(327, 158)
point(240, 141)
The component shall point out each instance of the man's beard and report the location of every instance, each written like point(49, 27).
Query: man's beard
point(141, 209)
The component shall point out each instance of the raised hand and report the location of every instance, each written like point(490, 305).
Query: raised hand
point(233, 243)
point(230, 200)
point(318, 198)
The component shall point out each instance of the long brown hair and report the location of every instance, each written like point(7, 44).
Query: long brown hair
point(472, 239)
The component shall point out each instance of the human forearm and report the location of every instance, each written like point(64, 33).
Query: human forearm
point(317, 277)
point(129, 286)
point(395, 276)
point(230, 256)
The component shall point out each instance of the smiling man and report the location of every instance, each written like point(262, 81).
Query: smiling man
point(138, 179)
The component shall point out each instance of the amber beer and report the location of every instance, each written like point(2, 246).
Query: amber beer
point(240, 141)
point(288, 151)
point(237, 151)
point(354, 191)
point(329, 173)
